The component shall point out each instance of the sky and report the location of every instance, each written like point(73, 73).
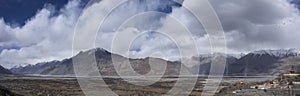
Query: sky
point(33, 31)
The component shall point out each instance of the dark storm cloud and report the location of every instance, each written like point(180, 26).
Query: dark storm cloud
point(296, 3)
point(255, 24)
point(247, 12)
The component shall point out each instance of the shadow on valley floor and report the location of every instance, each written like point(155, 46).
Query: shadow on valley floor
point(6, 92)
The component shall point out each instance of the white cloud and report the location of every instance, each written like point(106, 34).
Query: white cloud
point(249, 25)
point(42, 38)
point(45, 38)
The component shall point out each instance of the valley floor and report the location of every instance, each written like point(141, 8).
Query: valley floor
point(59, 86)
point(68, 86)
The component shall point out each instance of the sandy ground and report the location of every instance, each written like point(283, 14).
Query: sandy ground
point(68, 86)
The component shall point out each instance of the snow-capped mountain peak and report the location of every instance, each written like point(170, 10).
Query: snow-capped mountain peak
point(277, 53)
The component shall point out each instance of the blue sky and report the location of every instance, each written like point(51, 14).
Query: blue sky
point(19, 11)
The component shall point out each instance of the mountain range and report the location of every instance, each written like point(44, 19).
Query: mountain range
point(104, 63)
point(4, 71)
point(256, 63)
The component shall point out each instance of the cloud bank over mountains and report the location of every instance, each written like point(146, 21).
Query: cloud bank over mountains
point(42, 38)
point(248, 24)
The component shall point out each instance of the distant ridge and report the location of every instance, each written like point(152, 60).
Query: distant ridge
point(104, 62)
point(281, 53)
point(256, 63)
point(4, 71)
point(34, 69)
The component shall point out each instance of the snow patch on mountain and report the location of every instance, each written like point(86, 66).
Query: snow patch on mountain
point(277, 53)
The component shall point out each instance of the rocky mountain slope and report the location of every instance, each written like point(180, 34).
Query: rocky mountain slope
point(104, 63)
point(35, 69)
point(284, 65)
point(4, 71)
point(257, 63)
point(261, 62)
point(205, 64)
point(281, 53)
